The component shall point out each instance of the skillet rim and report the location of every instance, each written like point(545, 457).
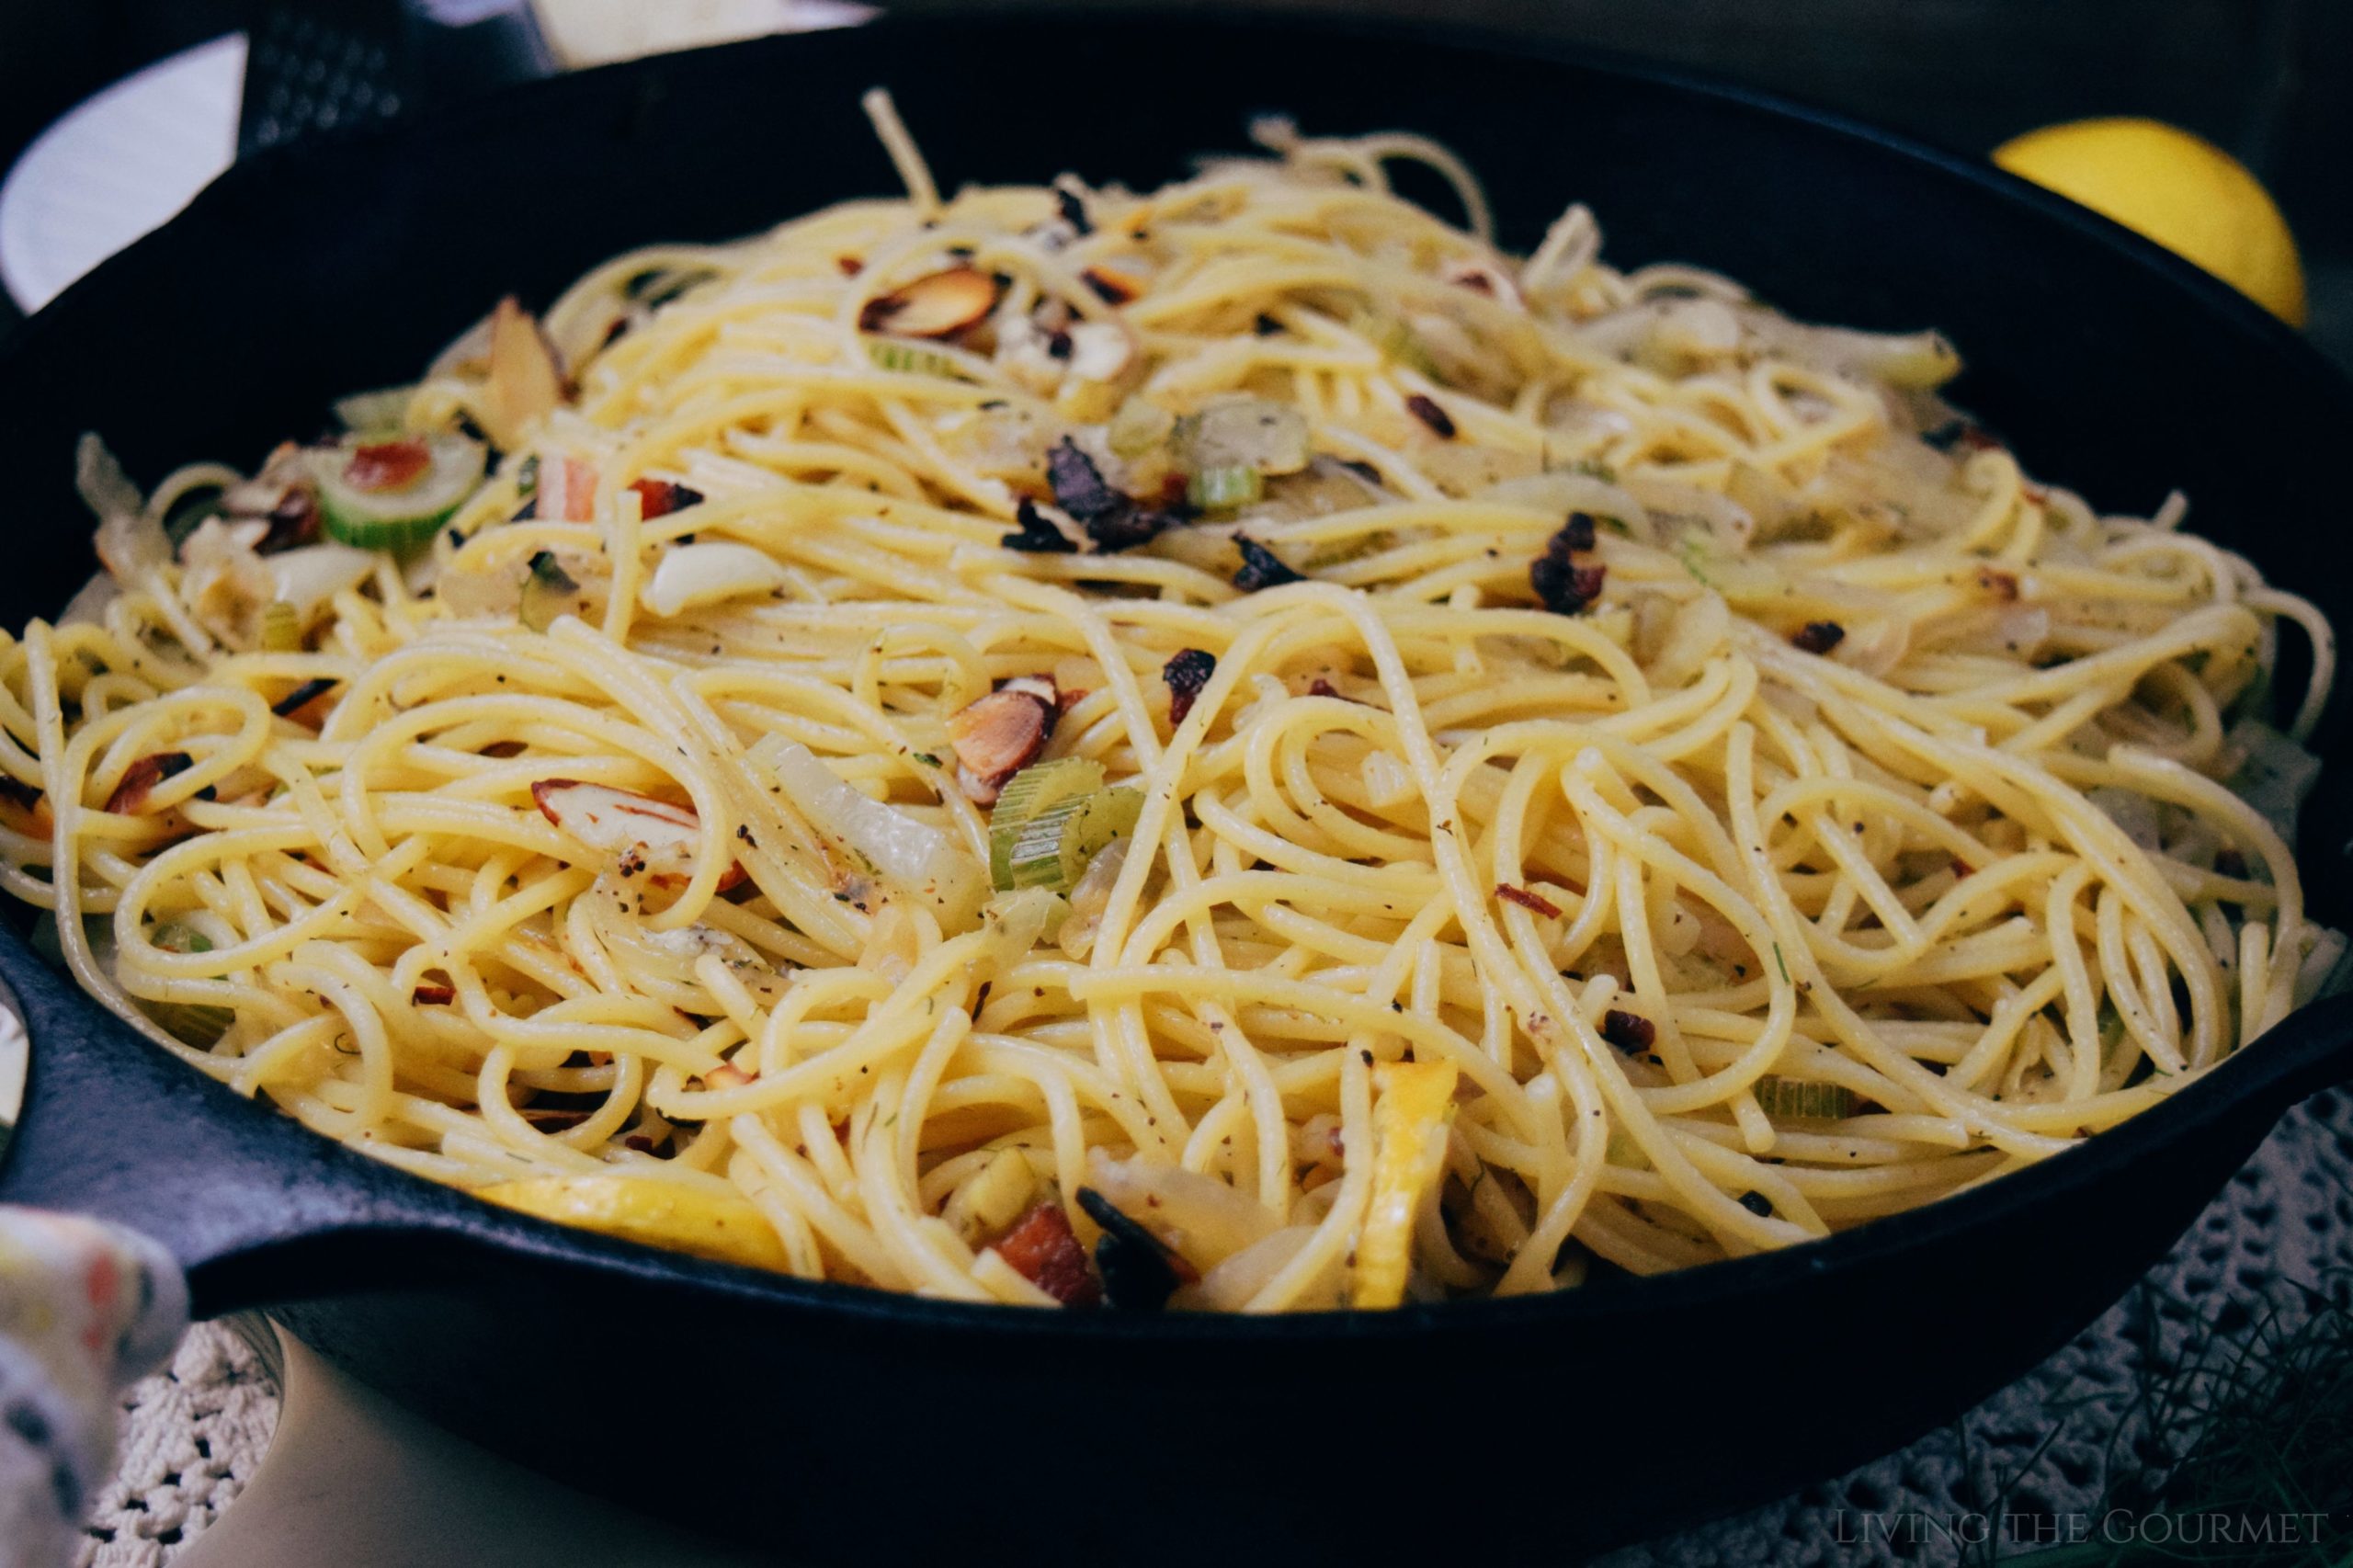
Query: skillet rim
point(2234, 1088)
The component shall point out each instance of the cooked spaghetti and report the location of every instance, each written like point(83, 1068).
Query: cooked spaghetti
point(1235, 746)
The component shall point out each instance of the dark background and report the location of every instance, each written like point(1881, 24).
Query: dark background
point(2269, 80)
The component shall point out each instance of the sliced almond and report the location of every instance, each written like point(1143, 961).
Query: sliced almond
point(653, 837)
point(932, 307)
point(24, 808)
point(1000, 736)
point(525, 383)
point(1486, 277)
point(1111, 287)
point(1042, 688)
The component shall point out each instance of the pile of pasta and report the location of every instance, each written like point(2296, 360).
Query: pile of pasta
point(1233, 747)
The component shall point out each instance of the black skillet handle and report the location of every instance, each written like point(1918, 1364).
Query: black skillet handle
point(256, 1207)
point(2316, 1044)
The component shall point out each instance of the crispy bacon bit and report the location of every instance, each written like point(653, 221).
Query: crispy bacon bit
point(302, 696)
point(932, 306)
point(1186, 671)
point(387, 465)
point(1079, 486)
point(1527, 900)
point(1819, 636)
point(432, 995)
point(2003, 585)
point(1261, 567)
point(1426, 410)
point(1044, 1250)
point(293, 521)
point(1113, 520)
point(642, 833)
point(852, 266)
point(660, 497)
point(1128, 527)
point(1564, 586)
point(1110, 287)
point(1965, 433)
point(998, 736)
point(138, 780)
point(1628, 1031)
point(1139, 1270)
point(281, 497)
point(1038, 537)
point(567, 493)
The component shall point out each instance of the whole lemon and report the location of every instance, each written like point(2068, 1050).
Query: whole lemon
point(2178, 189)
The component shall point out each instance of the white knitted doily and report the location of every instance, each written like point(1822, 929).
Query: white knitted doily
point(194, 1435)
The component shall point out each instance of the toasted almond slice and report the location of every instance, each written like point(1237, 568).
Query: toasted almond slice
point(649, 835)
point(997, 737)
point(138, 780)
point(525, 383)
point(933, 306)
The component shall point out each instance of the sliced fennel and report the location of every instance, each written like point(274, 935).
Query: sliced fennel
point(909, 858)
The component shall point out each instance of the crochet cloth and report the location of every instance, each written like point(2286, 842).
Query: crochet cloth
point(194, 1435)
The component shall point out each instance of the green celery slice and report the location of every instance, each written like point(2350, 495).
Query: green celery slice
point(403, 519)
point(1804, 1098)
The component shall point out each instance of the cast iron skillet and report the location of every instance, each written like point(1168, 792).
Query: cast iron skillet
point(828, 1422)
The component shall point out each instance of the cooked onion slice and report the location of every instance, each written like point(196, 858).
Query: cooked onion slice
point(693, 575)
point(911, 857)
